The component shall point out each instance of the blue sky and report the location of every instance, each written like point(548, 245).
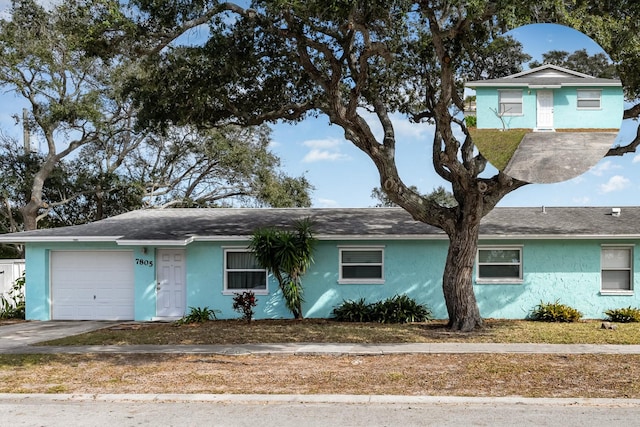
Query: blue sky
point(343, 176)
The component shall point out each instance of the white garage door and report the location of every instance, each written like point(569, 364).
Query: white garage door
point(92, 285)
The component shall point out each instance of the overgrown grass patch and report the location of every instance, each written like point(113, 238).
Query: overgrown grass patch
point(531, 375)
point(228, 332)
point(496, 145)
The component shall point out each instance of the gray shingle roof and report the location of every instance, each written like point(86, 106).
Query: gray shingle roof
point(545, 81)
point(546, 75)
point(179, 226)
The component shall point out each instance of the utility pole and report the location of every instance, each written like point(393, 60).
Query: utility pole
point(26, 135)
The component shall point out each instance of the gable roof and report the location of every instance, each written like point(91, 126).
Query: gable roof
point(183, 226)
point(546, 76)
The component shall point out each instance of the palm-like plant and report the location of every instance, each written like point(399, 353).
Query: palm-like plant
point(287, 254)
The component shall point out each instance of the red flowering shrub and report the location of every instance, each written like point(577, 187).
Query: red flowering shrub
point(244, 303)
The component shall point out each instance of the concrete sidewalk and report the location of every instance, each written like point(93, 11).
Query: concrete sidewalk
point(335, 349)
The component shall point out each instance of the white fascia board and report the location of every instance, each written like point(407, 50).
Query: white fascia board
point(335, 237)
point(64, 239)
point(498, 85)
point(155, 242)
point(364, 237)
point(593, 85)
point(543, 86)
point(559, 237)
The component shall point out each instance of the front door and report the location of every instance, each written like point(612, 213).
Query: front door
point(170, 283)
point(544, 119)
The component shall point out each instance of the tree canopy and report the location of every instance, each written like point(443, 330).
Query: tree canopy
point(597, 65)
point(70, 62)
point(358, 63)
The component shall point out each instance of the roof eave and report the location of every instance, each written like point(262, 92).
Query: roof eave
point(61, 239)
point(559, 236)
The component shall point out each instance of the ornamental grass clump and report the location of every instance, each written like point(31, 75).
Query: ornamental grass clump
point(554, 312)
point(397, 309)
point(623, 315)
point(198, 315)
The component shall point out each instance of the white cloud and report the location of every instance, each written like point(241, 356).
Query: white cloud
point(324, 150)
point(603, 167)
point(636, 159)
point(404, 128)
point(322, 143)
point(327, 203)
point(324, 155)
point(615, 183)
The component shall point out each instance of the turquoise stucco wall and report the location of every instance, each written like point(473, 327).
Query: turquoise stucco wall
point(410, 268)
point(566, 114)
point(567, 270)
point(37, 290)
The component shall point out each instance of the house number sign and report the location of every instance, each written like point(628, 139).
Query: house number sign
point(145, 262)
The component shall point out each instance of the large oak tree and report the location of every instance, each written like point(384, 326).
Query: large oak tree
point(356, 62)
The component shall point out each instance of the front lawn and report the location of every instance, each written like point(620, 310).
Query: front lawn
point(498, 146)
point(321, 330)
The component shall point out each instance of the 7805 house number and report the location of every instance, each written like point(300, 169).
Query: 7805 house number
point(147, 262)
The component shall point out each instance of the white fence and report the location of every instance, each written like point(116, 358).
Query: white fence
point(10, 270)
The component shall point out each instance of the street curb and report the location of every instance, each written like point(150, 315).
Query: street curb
point(319, 399)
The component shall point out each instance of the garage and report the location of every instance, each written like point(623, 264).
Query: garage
point(92, 285)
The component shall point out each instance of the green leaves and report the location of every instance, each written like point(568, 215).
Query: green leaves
point(287, 254)
point(554, 312)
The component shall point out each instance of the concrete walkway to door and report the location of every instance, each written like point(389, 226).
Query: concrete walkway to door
point(23, 334)
point(547, 157)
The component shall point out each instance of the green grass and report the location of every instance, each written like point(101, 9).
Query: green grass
point(498, 146)
point(318, 331)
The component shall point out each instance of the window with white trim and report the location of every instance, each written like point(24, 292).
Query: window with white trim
point(361, 265)
point(616, 265)
point(243, 273)
point(499, 264)
point(510, 102)
point(589, 99)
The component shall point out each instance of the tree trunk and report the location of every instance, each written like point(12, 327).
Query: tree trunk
point(457, 281)
point(29, 214)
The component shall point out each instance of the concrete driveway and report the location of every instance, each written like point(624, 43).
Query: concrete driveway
point(22, 334)
point(547, 157)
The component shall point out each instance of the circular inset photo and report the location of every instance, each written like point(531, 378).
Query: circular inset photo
point(553, 116)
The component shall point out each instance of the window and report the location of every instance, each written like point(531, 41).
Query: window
point(589, 99)
point(510, 102)
point(499, 265)
point(242, 272)
point(361, 265)
point(616, 268)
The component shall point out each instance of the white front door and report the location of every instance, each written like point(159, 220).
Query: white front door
point(544, 120)
point(170, 283)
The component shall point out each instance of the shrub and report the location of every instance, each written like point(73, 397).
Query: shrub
point(400, 309)
point(12, 305)
point(353, 311)
point(199, 315)
point(555, 312)
point(243, 303)
point(623, 315)
point(397, 309)
point(471, 121)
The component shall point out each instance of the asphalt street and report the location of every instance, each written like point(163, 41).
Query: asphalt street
point(311, 411)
